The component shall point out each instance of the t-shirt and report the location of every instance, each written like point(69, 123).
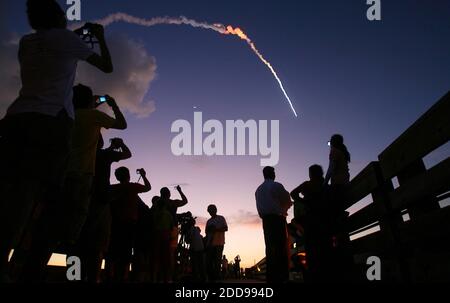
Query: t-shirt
point(172, 207)
point(86, 132)
point(311, 189)
point(340, 174)
point(216, 238)
point(48, 62)
point(314, 194)
point(272, 199)
point(125, 204)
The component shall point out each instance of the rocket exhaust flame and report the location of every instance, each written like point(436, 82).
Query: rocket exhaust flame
point(217, 27)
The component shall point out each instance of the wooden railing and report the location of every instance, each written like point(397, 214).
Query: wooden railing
point(417, 249)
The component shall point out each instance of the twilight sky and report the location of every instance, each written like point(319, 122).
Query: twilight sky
point(366, 80)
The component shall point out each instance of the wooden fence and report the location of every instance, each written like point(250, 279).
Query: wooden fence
point(417, 249)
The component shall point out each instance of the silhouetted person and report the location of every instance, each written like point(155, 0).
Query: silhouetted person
point(216, 226)
point(97, 229)
point(339, 177)
point(36, 131)
point(163, 225)
point(237, 267)
point(309, 189)
point(61, 223)
point(313, 193)
point(197, 254)
point(338, 172)
point(143, 244)
point(82, 160)
point(224, 267)
point(316, 222)
point(273, 202)
point(172, 207)
point(125, 214)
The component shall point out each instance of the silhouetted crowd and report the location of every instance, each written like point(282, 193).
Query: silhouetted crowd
point(55, 171)
point(318, 224)
point(56, 196)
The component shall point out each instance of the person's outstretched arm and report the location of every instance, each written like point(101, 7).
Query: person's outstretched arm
point(147, 186)
point(126, 152)
point(295, 194)
point(120, 122)
point(183, 200)
point(103, 61)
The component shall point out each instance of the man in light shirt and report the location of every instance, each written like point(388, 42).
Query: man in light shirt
point(272, 203)
point(216, 227)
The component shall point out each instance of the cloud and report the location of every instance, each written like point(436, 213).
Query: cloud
point(246, 218)
point(179, 183)
point(241, 218)
point(134, 71)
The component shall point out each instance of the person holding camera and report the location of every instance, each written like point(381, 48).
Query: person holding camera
point(160, 258)
point(125, 215)
point(82, 160)
point(36, 130)
point(61, 223)
point(172, 206)
point(96, 232)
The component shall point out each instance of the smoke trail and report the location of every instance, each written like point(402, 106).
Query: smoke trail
point(238, 32)
point(217, 27)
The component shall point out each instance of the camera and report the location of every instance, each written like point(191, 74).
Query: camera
point(139, 171)
point(186, 221)
point(99, 100)
point(86, 34)
point(115, 142)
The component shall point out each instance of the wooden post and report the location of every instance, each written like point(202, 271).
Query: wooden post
point(390, 223)
point(425, 204)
